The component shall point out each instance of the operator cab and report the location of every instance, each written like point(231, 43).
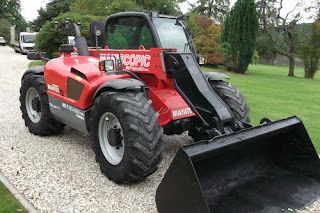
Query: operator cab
point(130, 30)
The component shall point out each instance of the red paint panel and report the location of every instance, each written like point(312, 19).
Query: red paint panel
point(147, 64)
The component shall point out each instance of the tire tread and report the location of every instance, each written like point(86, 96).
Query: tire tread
point(48, 124)
point(142, 135)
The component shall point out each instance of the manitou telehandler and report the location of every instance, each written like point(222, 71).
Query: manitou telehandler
point(141, 78)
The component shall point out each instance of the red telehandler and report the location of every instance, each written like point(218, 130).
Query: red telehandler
point(141, 78)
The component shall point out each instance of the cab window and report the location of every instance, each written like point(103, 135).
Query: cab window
point(129, 33)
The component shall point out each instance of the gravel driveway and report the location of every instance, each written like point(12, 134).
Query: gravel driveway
point(59, 173)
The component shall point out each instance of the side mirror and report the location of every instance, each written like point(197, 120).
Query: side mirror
point(97, 33)
point(183, 17)
point(37, 55)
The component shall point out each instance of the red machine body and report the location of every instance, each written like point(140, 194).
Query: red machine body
point(85, 70)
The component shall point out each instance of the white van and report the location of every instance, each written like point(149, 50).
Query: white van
point(26, 42)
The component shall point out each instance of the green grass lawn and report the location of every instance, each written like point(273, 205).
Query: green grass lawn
point(8, 202)
point(271, 93)
point(36, 63)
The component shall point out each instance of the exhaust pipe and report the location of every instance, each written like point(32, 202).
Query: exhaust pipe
point(81, 42)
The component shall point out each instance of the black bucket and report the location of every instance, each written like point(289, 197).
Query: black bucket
point(269, 168)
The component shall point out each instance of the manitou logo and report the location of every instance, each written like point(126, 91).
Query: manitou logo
point(181, 112)
point(53, 87)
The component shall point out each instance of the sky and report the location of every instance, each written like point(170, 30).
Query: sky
point(29, 8)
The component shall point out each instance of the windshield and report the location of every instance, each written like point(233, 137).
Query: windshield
point(171, 35)
point(29, 38)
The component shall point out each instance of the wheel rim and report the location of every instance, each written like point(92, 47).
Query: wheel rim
point(33, 105)
point(113, 154)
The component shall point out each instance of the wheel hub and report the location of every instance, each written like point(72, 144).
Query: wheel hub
point(33, 105)
point(36, 105)
point(111, 138)
point(114, 137)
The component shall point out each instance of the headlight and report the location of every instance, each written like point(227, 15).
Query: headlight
point(201, 59)
point(106, 65)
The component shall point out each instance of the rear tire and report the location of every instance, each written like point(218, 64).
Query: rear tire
point(232, 96)
point(35, 106)
point(139, 145)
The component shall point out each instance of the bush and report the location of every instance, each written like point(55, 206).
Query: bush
point(231, 62)
point(49, 38)
point(309, 50)
point(255, 57)
point(5, 29)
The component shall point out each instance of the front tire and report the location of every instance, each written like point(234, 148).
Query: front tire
point(35, 106)
point(232, 96)
point(126, 136)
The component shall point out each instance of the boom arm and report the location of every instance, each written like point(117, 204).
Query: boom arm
point(193, 87)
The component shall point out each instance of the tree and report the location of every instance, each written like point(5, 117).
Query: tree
point(97, 7)
point(120, 6)
point(274, 24)
point(10, 10)
point(239, 32)
point(49, 38)
point(108, 7)
point(309, 50)
point(318, 6)
point(53, 9)
point(314, 10)
point(206, 37)
point(169, 7)
point(104, 7)
point(5, 29)
point(264, 46)
point(215, 9)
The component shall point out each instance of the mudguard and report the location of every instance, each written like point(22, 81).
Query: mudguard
point(119, 84)
point(36, 70)
point(215, 75)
